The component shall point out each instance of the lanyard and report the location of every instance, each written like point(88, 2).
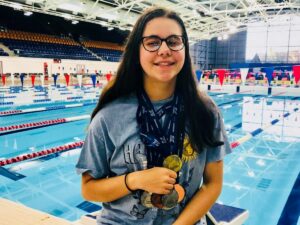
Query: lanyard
point(161, 140)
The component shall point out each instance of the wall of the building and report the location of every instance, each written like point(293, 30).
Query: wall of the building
point(231, 50)
point(36, 65)
point(210, 54)
point(203, 54)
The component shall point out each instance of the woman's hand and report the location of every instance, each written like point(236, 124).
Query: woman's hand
point(157, 180)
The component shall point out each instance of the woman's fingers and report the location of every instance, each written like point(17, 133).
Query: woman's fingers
point(171, 181)
point(172, 174)
point(170, 186)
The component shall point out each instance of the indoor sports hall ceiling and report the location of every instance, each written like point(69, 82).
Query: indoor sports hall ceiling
point(204, 19)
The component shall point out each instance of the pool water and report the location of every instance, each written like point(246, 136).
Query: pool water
point(258, 176)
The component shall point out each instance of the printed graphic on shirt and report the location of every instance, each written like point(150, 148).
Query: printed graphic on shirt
point(134, 153)
point(188, 153)
point(140, 214)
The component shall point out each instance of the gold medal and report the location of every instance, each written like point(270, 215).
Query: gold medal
point(169, 201)
point(146, 200)
point(173, 162)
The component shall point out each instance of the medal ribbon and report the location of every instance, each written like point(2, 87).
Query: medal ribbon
point(161, 140)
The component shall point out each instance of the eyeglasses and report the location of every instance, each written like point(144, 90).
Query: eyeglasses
point(153, 43)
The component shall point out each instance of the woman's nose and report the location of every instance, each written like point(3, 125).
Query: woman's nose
point(164, 49)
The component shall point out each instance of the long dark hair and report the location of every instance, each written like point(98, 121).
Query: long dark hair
point(198, 107)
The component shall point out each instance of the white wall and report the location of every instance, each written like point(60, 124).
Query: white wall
point(252, 89)
point(36, 65)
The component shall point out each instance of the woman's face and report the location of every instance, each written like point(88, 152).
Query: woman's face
point(164, 64)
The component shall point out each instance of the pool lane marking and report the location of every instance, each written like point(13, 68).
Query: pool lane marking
point(291, 210)
point(28, 126)
point(17, 112)
point(43, 153)
point(254, 133)
point(280, 93)
point(234, 144)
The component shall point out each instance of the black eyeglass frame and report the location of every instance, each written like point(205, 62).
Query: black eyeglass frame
point(163, 40)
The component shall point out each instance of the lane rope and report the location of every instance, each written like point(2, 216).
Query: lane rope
point(254, 133)
point(15, 112)
point(26, 126)
point(42, 153)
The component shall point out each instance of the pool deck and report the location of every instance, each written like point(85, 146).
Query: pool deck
point(12, 213)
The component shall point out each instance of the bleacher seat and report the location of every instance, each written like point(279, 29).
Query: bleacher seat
point(107, 51)
point(35, 45)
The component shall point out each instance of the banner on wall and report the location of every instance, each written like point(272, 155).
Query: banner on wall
point(79, 78)
point(108, 76)
point(269, 74)
point(12, 80)
point(296, 71)
point(244, 73)
point(93, 80)
point(221, 74)
point(22, 79)
point(55, 79)
point(198, 75)
point(67, 77)
point(3, 79)
point(32, 79)
point(42, 77)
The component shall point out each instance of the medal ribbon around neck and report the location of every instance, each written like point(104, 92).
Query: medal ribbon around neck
point(164, 140)
point(164, 144)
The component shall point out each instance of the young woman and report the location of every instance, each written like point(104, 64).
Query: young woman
point(153, 153)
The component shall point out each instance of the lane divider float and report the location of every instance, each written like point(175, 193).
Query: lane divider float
point(252, 134)
point(34, 125)
point(79, 144)
point(23, 157)
point(15, 112)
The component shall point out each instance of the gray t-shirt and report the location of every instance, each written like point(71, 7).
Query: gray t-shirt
point(113, 147)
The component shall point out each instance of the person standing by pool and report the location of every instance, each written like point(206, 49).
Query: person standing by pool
point(153, 153)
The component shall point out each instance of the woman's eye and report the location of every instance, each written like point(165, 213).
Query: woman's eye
point(153, 43)
point(174, 42)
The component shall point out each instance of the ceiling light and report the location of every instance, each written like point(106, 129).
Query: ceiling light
point(67, 16)
point(225, 36)
point(232, 29)
point(27, 13)
point(17, 6)
point(74, 7)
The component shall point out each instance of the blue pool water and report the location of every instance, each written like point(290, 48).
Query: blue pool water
point(258, 175)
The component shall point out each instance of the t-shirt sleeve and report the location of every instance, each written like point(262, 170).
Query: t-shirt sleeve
point(218, 153)
point(94, 156)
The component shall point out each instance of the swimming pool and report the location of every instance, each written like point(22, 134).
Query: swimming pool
point(258, 176)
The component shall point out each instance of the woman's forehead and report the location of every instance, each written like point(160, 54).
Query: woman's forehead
point(162, 27)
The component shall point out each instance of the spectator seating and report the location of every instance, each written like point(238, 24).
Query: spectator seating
point(107, 51)
point(2, 53)
point(43, 46)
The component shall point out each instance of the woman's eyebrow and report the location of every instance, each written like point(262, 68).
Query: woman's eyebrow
point(153, 35)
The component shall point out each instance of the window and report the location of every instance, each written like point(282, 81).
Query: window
point(278, 41)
